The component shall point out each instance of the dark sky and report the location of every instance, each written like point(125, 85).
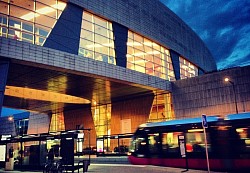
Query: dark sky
point(224, 26)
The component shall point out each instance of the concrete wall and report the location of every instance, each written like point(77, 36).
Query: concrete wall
point(211, 95)
point(154, 20)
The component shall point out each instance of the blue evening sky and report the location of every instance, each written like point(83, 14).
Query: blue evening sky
point(224, 26)
point(9, 111)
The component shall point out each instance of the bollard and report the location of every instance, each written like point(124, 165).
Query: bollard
point(85, 165)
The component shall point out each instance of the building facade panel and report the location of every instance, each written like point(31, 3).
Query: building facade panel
point(211, 95)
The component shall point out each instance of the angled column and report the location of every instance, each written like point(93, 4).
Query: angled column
point(121, 37)
point(176, 64)
point(4, 67)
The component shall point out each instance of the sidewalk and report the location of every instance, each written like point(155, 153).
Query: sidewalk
point(125, 168)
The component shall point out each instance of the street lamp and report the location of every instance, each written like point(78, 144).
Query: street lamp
point(235, 101)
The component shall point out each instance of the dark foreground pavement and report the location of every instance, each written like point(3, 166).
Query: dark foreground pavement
point(124, 168)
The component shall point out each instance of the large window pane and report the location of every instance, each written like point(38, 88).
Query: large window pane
point(102, 31)
point(88, 17)
point(48, 2)
point(27, 4)
point(187, 69)
point(87, 44)
point(28, 27)
point(100, 22)
point(21, 13)
point(42, 9)
point(101, 40)
point(87, 35)
point(24, 16)
point(45, 21)
point(87, 25)
point(27, 37)
point(98, 33)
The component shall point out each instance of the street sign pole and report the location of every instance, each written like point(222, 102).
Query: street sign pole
point(205, 125)
point(183, 150)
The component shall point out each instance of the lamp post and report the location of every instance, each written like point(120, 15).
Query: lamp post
point(235, 101)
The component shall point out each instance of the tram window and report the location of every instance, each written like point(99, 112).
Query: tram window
point(154, 144)
point(170, 142)
point(244, 134)
point(195, 141)
point(139, 145)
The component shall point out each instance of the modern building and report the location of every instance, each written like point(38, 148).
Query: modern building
point(109, 66)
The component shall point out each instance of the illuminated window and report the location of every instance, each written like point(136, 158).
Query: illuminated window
point(170, 142)
point(102, 119)
point(57, 122)
point(97, 39)
point(148, 57)
point(187, 69)
point(30, 21)
point(244, 142)
point(161, 109)
point(195, 141)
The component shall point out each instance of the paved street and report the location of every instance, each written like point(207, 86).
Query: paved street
point(126, 168)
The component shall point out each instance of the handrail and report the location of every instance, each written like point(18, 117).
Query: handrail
point(53, 167)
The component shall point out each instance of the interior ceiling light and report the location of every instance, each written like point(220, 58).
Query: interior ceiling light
point(42, 95)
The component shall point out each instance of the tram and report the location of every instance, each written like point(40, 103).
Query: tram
point(228, 143)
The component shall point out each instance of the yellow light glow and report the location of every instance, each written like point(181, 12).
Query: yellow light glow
point(59, 5)
point(239, 130)
point(45, 10)
point(99, 45)
point(133, 44)
point(195, 130)
point(28, 93)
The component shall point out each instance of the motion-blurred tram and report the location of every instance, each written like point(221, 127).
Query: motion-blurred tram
point(228, 143)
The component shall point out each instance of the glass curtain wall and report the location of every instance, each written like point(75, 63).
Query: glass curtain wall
point(146, 56)
point(97, 41)
point(102, 119)
point(187, 69)
point(57, 122)
point(22, 126)
point(162, 108)
point(30, 21)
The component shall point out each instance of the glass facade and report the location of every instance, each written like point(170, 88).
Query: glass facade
point(57, 122)
point(102, 119)
point(162, 108)
point(30, 21)
point(146, 56)
point(97, 41)
point(187, 69)
point(22, 126)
